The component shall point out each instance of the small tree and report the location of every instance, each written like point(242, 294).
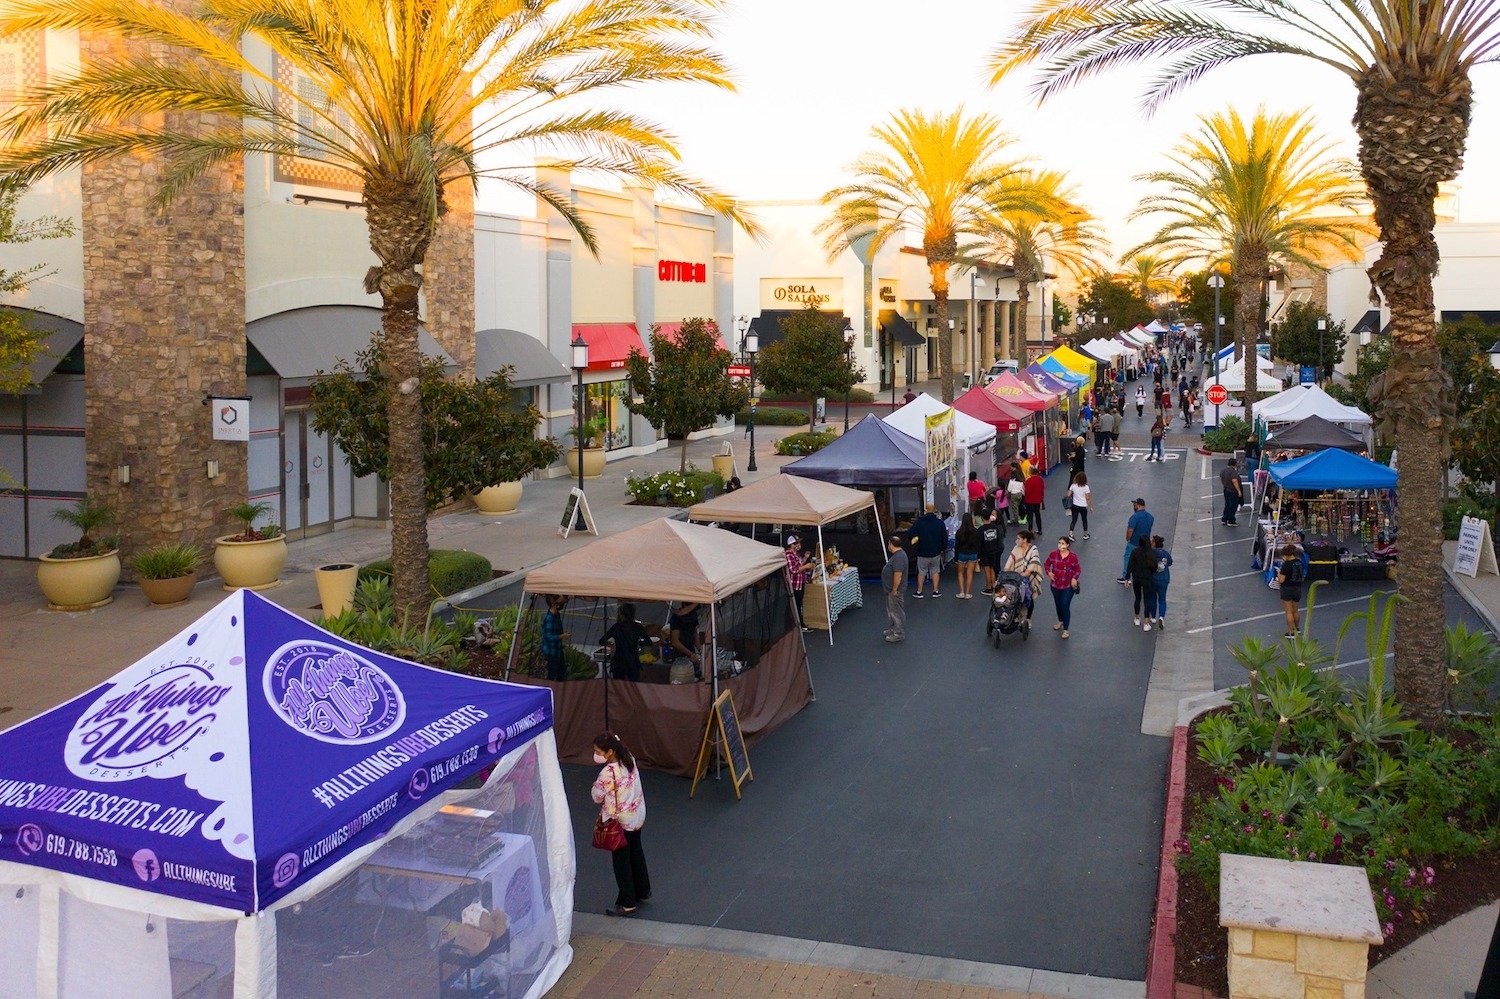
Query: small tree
point(684, 385)
point(1476, 443)
point(810, 359)
point(20, 345)
point(474, 434)
point(1296, 338)
point(1116, 299)
point(1062, 316)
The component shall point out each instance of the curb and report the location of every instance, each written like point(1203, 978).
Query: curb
point(1161, 960)
point(1475, 604)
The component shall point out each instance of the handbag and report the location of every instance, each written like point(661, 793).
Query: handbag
point(608, 833)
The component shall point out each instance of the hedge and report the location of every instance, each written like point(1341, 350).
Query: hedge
point(449, 570)
point(773, 416)
point(805, 443)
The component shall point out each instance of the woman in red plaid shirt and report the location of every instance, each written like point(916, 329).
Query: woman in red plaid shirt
point(1063, 572)
point(798, 568)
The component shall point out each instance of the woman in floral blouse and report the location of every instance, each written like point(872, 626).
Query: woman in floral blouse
point(617, 790)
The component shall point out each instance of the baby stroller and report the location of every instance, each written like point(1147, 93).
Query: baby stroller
point(1008, 613)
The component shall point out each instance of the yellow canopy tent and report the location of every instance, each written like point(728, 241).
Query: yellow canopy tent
point(1074, 361)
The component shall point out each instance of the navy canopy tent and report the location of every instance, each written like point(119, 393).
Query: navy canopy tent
point(1316, 434)
point(872, 453)
point(1333, 469)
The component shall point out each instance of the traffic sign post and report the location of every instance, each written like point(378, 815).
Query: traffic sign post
point(1218, 395)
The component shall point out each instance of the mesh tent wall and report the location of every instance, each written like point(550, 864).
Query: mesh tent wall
point(147, 847)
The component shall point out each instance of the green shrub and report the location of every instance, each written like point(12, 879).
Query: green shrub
point(805, 443)
point(674, 488)
point(1467, 504)
point(1231, 433)
point(167, 561)
point(449, 570)
point(773, 416)
point(371, 623)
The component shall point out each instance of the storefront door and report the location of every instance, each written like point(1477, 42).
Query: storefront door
point(307, 485)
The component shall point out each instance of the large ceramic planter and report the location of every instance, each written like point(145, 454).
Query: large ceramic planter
point(724, 465)
point(499, 500)
point(593, 462)
point(336, 583)
point(76, 584)
point(251, 565)
point(162, 592)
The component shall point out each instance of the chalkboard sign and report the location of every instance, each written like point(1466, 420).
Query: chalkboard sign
point(576, 514)
point(722, 732)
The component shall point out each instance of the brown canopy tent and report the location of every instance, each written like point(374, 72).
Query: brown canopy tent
point(789, 499)
point(750, 612)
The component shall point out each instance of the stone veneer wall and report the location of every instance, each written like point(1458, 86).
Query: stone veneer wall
point(164, 323)
point(448, 277)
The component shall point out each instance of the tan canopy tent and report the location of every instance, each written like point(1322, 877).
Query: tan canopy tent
point(789, 499)
point(750, 614)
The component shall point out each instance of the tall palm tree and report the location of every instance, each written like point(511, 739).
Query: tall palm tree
point(1151, 275)
point(1410, 63)
point(934, 173)
point(415, 94)
point(1036, 222)
point(1264, 189)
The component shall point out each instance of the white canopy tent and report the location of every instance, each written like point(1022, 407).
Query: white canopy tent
point(1232, 377)
point(1301, 401)
point(1100, 347)
point(1155, 326)
point(1138, 336)
point(973, 437)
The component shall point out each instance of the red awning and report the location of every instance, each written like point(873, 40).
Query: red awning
point(609, 343)
point(670, 330)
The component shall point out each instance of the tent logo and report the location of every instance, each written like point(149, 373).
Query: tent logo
point(332, 694)
point(147, 867)
point(128, 732)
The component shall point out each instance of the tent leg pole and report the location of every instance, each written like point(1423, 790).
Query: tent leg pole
point(827, 586)
point(515, 634)
point(713, 644)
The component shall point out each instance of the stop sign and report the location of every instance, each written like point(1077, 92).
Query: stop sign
point(1217, 395)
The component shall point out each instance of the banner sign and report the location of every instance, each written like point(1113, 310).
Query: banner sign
point(231, 419)
point(941, 440)
point(1476, 549)
point(148, 780)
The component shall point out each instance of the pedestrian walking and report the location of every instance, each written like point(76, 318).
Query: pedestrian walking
point(1138, 526)
point(1113, 444)
point(966, 543)
point(975, 488)
point(1080, 504)
point(1158, 438)
point(1184, 403)
point(1289, 576)
point(1140, 401)
point(1141, 567)
point(930, 538)
point(798, 569)
point(1234, 493)
point(893, 581)
point(622, 804)
point(1100, 432)
point(1161, 579)
point(1027, 561)
point(1063, 573)
point(1015, 492)
point(1036, 499)
point(991, 548)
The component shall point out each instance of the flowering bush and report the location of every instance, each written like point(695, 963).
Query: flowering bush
point(1310, 771)
point(673, 488)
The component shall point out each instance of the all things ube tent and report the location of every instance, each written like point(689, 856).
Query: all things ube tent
point(259, 808)
point(750, 635)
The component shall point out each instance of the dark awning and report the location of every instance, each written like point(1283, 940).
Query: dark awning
point(302, 342)
point(767, 325)
point(531, 362)
point(1368, 323)
point(901, 331)
point(60, 336)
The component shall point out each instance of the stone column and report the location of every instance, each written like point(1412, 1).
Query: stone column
point(164, 326)
point(1296, 930)
point(989, 334)
point(1005, 351)
point(448, 276)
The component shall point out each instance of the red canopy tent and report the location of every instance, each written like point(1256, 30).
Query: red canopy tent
point(1004, 416)
point(1018, 392)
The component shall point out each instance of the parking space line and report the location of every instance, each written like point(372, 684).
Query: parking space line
point(1234, 541)
point(1265, 617)
point(1220, 579)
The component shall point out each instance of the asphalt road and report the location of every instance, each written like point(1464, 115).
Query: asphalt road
point(943, 797)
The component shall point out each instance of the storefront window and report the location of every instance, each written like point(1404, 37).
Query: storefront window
point(609, 398)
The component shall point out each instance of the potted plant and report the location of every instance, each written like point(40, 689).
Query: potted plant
point(82, 575)
point(253, 558)
point(503, 468)
point(167, 573)
point(591, 432)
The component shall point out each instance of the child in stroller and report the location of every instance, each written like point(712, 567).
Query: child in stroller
point(1010, 610)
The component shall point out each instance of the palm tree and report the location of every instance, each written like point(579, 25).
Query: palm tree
point(415, 95)
point(1151, 275)
point(1267, 189)
point(1036, 222)
point(1410, 64)
point(935, 173)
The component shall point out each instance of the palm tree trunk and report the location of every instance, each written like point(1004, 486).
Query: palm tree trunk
point(1412, 133)
point(939, 271)
point(1024, 276)
point(1249, 271)
point(400, 230)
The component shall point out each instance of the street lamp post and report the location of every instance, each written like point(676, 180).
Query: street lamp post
point(580, 364)
point(1216, 281)
point(974, 285)
point(751, 346)
point(848, 360)
point(1322, 328)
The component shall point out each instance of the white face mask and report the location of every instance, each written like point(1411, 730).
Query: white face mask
point(599, 757)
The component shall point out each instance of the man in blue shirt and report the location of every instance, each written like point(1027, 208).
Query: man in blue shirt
point(1138, 526)
point(930, 536)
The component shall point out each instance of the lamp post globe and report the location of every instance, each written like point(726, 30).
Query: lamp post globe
point(750, 344)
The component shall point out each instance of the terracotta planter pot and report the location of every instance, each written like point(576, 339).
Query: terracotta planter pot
point(336, 583)
point(162, 592)
point(252, 565)
point(593, 462)
point(499, 500)
point(75, 584)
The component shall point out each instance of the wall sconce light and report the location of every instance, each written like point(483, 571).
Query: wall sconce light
point(123, 474)
point(213, 468)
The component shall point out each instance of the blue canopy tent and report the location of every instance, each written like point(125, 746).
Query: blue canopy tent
point(1055, 368)
point(1361, 510)
point(1332, 469)
point(256, 766)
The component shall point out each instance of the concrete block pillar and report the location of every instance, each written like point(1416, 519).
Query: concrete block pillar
point(1296, 930)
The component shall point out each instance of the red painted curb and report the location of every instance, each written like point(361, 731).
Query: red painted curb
point(1161, 960)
